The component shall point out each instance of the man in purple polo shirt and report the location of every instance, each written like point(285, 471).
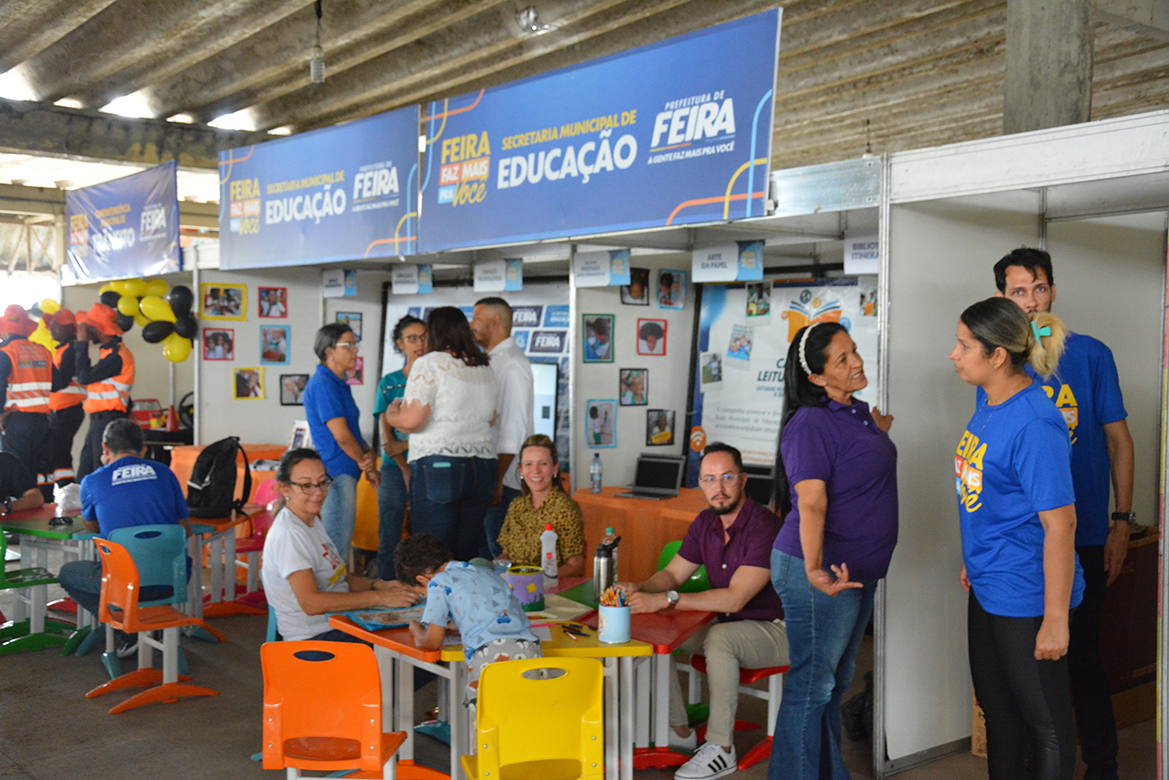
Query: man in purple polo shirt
point(732, 539)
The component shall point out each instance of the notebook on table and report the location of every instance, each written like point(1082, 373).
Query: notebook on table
point(658, 476)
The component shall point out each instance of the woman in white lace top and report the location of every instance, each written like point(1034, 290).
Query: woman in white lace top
point(448, 409)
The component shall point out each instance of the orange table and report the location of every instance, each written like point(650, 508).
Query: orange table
point(644, 525)
point(182, 461)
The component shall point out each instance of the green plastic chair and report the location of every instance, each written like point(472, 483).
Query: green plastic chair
point(698, 581)
point(17, 635)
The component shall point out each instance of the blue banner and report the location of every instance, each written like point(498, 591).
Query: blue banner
point(673, 133)
point(125, 228)
point(340, 193)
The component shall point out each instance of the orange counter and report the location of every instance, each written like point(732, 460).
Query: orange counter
point(644, 525)
point(182, 461)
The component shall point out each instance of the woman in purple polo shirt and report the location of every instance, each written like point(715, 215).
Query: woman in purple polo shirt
point(836, 485)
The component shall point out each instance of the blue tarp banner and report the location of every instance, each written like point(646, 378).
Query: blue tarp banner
point(125, 228)
point(672, 133)
point(341, 193)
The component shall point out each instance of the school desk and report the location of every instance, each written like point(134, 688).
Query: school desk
point(219, 535)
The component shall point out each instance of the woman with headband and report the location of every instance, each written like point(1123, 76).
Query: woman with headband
point(1016, 507)
point(836, 486)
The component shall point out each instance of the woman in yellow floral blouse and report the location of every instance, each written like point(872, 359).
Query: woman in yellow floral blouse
point(543, 501)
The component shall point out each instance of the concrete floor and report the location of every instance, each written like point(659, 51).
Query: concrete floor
point(49, 730)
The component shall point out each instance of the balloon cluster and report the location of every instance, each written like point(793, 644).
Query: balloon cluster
point(165, 316)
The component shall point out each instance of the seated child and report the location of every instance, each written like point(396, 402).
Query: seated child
point(476, 599)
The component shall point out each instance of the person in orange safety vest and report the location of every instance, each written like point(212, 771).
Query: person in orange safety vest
point(107, 382)
point(26, 375)
point(66, 398)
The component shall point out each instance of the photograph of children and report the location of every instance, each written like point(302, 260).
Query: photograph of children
point(712, 368)
point(218, 344)
point(356, 376)
point(659, 427)
point(274, 302)
point(671, 289)
point(292, 389)
point(224, 301)
point(274, 344)
point(636, 293)
point(742, 339)
point(600, 423)
point(249, 384)
point(352, 319)
point(634, 387)
point(651, 337)
point(759, 299)
point(598, 338)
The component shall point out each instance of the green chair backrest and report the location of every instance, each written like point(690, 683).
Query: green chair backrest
point(698, 581)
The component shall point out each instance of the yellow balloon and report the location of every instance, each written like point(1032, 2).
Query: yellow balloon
point(156, 287)
point(50, 306)
point(176, 348)
point(141, 319)
point(135, 287)
point(42, 336)
point(157, 309)
point(128, 305)
point(108, 287)
point(119, 287)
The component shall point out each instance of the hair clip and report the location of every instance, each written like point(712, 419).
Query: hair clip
point(1044, 331)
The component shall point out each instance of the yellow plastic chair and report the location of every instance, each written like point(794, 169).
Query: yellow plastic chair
point(539, 729)
point(365, 529)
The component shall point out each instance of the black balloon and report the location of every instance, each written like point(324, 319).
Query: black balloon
point(156, 331)
point(180, 299)
point(125, 322)
point(110, 298)
point(186, 326)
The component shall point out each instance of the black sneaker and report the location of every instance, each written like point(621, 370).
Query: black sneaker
point(128, 647)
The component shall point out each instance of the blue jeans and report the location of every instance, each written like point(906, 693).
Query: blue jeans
point(449, 497)
point(82, 581)
point(391, 506)
point(339, 513)
point(493, 523)
point(824, 634)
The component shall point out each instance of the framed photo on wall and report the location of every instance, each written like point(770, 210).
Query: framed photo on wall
point(218, 344)
point(633, 387)
point(659, 427)
point(636, 293)
point(601, 423)
point(274, 344)
point(248, 384)
point(301, 435)
point(598, 338)
point(671, 289)
point(651, 336)
point(274, 302)
point(292, 389)
point(352, 319)
point(218, 301)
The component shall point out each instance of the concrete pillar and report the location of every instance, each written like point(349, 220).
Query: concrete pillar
point(1049, 64)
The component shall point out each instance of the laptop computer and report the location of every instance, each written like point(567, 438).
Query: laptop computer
point(658, 476)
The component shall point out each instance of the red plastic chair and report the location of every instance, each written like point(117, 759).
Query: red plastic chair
point(323, 709)
point(119, 607)
point(252, 546)
point(773, 694)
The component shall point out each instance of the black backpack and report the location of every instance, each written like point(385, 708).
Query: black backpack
point(211, 488)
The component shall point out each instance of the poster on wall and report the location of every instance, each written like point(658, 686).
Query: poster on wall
point(664, 134)
point(339, 193)
point(738, 393)
point(126, 227)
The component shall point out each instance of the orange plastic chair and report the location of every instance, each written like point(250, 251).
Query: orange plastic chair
point(773, 696)
point(119, 608)
point(323, 709)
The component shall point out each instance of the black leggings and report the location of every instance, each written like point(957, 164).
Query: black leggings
point(1027, 703)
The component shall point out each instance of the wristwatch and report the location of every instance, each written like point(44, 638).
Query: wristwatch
point(1124, 517)
point(672, 598)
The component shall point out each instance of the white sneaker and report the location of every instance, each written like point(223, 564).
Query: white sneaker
point(709, 762)
point(689, 744)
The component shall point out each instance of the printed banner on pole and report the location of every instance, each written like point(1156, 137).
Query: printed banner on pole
point(665, 134)
point(499, 276)
point(338, 193)
point(862, 254)
point(738, 261)
point(601, 269)
point(125, 228)
point(410, 279)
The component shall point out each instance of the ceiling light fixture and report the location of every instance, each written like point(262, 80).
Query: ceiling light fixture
point(529, 21)
point(316, 66)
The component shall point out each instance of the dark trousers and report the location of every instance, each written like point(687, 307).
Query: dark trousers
point(91, 451)
point(1091, 694)
point(26, 436)
point(493, 523)
point(63, 427)
point(448, 498)
point(1027, 703)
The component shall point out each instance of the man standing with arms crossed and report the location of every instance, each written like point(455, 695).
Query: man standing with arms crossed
point(1086, 389)
point(491, 326)
point(66, 414)
point(107, 382)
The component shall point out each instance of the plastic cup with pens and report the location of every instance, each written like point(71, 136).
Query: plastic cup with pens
point(613, 622)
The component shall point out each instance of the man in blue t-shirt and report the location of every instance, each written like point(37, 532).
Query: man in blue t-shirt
point(126, 491)
point(1086, 389)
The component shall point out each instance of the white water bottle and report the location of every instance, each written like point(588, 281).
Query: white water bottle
point(595, 474)
point(610, 539)
point(548, 556)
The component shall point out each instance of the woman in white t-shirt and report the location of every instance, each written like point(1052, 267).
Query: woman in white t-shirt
point(304, 576)
point(448, 410)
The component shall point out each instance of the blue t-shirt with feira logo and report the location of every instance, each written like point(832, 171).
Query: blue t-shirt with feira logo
point(1013, 462)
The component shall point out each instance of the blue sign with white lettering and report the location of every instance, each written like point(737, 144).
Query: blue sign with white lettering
point(125, 228)
point(341, 193)
point(672, 133)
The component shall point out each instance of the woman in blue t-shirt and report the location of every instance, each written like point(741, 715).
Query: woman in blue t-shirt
point(393, 493)
point(836, 488)
point(1016, 505)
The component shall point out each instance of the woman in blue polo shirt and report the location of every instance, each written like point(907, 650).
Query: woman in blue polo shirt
point(335, 425)
point(836, 485)
point(1016, 506)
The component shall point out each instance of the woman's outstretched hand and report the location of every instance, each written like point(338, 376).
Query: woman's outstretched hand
point(883, 421)
point(823, 581)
